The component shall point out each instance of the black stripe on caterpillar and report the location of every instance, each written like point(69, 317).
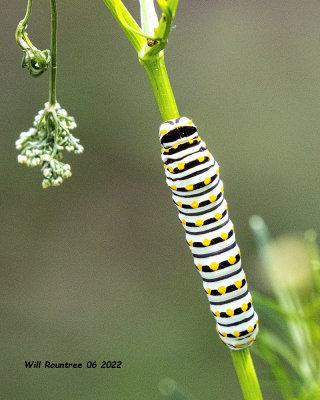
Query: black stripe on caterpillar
point(197, 191)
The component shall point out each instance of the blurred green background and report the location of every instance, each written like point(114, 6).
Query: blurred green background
point(98, 268)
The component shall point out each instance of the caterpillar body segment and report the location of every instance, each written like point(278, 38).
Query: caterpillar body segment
point(197, 190)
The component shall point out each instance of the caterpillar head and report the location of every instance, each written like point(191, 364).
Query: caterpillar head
point(176, 131)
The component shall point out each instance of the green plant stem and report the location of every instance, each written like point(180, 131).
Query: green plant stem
point(136, 40)
point(157, 74)
point(246, 374)
point(53, 69)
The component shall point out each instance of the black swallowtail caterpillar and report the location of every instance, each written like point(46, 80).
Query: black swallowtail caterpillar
point(197, 190)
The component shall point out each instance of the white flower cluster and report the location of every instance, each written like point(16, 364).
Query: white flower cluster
point(44, 143)
point(55, 172)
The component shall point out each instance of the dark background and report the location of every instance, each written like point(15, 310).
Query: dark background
point(98, 268)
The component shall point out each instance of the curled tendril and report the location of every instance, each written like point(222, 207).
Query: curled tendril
point(35, 60)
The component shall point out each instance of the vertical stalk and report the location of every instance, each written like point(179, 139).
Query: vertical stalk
point(246, 374)
point(157, 74)
point(53, 50)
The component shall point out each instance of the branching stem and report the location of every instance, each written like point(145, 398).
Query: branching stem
point(151, 56)
point(126, 22)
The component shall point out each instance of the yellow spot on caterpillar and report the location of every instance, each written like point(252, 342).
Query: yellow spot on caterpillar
point(218, 216)
point(173, 187)
point(181, 166)
point(232, 260)
point(199, 266)
point(222, 289)
point(250, 329)
point(194, 204)
point(179, 203)
point(245, 277)
point(224, 334)
point(244, 307)
point(190, 243)
point(217, 314)
point(212, 198)
point(208, 291)
point(190, 141)
point(252, 340)
point(238, 345)
point(207, 181)
point(236, 334)
point(233, 228)
point(189, 187)
point(167, 151)
point(164, 166)
point(162, 150)
point(200, 159)
point(257, 322)
point(190, 122)
point(171, 169)
point(239, 253)
point(238, 284)
point(227, 207)
point(221, 190)
point(224, 236)
point(183, 221)
point(251, 301)
point(199, 222)
point(214, 266)
point(163, 132)
point(230, 312)
point(206, 242)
